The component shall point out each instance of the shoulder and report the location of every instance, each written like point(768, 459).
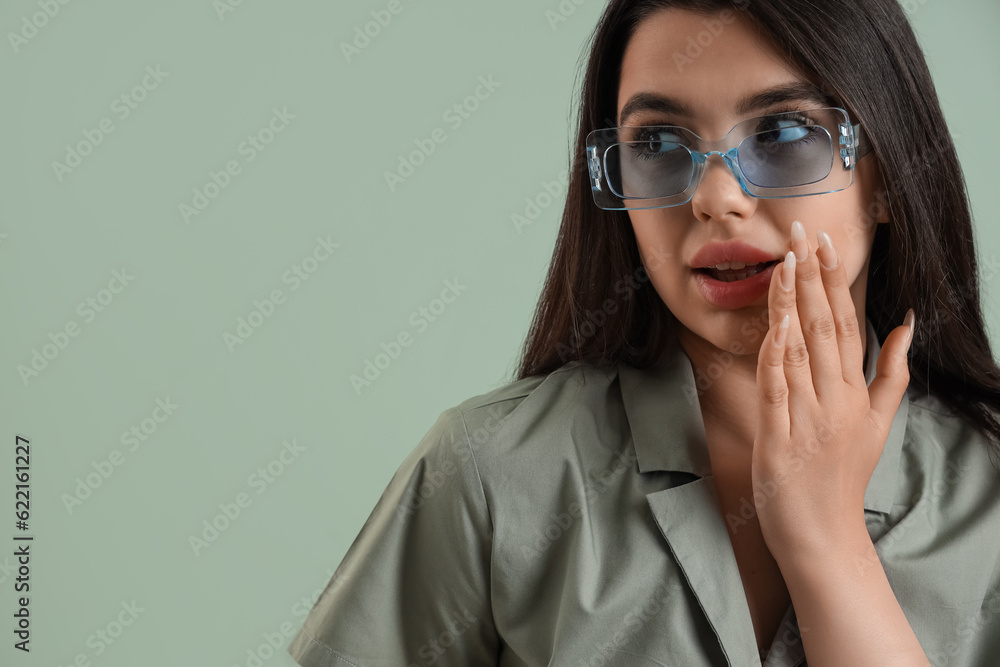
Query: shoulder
point(504, 417)
point(526, 422)
point(940, 544)
point(936, 432)
point(950, 485)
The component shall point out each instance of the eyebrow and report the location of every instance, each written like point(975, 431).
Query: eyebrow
point(800, 91)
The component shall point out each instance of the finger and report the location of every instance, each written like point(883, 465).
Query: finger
point(781, 292)
point(772, 391)
point(892, 374)
point(844, 312)
point(781, 302)
point(816, 319)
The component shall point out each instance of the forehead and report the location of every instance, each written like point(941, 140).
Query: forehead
point(708, 63)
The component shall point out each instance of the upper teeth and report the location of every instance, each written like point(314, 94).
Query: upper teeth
point(730, 265)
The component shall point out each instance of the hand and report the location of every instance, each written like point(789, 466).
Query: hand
point(820, 430)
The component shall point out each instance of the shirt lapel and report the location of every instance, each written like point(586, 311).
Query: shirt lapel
point(881, 488)
point(668, 434)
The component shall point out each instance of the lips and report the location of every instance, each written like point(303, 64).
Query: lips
point(713, 254)
point(731, 295)
point(733, 274)
point(737, 271)
point(731, 261)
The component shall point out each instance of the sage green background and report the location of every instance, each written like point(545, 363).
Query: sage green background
point(322, 176)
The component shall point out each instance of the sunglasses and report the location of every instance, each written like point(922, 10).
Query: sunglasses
point(789, 154)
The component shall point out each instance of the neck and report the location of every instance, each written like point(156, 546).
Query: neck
point(727, 388)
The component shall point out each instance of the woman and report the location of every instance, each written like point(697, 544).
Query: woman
point(726, 444)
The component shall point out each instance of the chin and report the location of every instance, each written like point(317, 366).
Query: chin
point(736, 333)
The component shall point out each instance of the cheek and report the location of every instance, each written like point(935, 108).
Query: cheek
point(843, 215)
point(657, 240)
point(854, 250)
point(658, 250)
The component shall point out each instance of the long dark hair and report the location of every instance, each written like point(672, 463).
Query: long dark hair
point(597, 305)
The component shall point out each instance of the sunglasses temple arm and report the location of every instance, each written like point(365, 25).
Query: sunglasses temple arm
point(863, 147)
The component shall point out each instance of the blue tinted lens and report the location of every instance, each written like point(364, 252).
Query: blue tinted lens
point(788, 155)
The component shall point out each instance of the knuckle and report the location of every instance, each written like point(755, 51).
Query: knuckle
point(774, 397)
point(797, 355)
point(848, 327)
point(822, 328)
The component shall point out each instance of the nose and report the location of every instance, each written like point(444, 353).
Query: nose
point(719, 194)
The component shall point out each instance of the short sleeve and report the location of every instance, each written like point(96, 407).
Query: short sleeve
point(413, 588)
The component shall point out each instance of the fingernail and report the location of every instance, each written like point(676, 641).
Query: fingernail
point(910, 321)
point(799, 244)
point(779, 338)
point(787, 278)
point(828, 255)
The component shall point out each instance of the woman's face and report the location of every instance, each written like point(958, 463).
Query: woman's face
point(709, 64)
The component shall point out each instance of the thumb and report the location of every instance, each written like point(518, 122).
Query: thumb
point(892, 373)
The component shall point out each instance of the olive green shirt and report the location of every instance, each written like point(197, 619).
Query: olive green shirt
point(571, 519)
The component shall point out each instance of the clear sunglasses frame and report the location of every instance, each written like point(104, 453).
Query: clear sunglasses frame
point(826, 123)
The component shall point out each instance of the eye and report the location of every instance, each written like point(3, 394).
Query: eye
point(784, 131)
point(655, 140)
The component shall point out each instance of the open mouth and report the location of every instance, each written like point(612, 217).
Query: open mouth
point(735, 271)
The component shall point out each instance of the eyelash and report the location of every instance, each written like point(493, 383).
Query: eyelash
point(644, 136)
point(797, 111)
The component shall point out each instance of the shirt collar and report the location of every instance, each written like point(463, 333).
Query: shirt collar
point(668, 432)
